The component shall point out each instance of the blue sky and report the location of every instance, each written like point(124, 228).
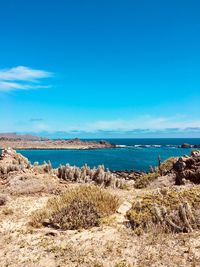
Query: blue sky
point(100, 68)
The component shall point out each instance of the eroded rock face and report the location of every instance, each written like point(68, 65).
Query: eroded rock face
point(188, 168)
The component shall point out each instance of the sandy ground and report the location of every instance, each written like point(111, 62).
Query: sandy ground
point(112, 244)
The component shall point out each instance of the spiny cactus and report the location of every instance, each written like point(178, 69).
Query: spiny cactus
point(176, 210)
point(184, 219)
point(47, 166)
point(87, 175)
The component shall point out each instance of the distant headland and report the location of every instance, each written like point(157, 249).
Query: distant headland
point(29, 142)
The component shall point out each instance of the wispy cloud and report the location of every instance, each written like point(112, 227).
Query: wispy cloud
point(22, 78)
point(135, 133)
point(142, 124)
point(145, 122)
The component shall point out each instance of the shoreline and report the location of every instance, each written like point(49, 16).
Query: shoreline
point(66, 148)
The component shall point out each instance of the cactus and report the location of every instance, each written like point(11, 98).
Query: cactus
point(47, 167)
point(85, 174)
point(175, 210)
point(183, 216)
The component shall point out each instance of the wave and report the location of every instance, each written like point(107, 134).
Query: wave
point(121, 146)
point(147, 146)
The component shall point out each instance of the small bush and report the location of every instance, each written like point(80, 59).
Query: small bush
point(78, 214)
point(178, 211)
point(78, 208)
point(144, 180)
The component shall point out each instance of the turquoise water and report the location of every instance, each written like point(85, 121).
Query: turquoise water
point(135, 154)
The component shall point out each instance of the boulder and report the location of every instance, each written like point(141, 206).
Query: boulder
point(124, 207)
point(185, 145)
point(188, 168)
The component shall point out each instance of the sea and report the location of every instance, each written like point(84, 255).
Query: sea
point(130, 154)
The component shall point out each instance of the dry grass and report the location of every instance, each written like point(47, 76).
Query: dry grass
point(175, 210)
point(78, 208)
point(76, 215)
point(144, 180)
point(111, 245)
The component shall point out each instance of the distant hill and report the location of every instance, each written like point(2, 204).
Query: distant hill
point(15, 136)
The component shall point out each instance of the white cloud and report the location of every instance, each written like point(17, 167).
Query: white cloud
point(22, 78)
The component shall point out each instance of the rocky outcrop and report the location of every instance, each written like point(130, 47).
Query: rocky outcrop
point(173, 171)
point(10, 161)
point(187, 168)
point(185, 145)
point(18, 176)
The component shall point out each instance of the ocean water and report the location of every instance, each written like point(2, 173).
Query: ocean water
point(132, 154)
